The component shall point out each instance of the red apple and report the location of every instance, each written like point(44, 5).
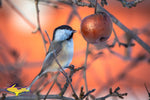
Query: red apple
point(96, 28)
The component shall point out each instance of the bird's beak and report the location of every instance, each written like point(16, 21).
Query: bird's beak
point(74, 31)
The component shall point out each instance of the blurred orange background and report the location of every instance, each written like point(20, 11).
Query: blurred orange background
point(16, 34)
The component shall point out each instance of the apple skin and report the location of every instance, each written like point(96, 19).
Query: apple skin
point(96, 28)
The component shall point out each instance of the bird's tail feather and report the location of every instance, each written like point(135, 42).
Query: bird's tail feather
point(35, 79)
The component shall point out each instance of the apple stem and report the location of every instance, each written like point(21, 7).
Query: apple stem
point(96, 7)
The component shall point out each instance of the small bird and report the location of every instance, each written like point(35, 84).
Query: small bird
point(63, 47)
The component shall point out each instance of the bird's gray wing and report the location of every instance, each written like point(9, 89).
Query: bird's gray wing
point(56, 47)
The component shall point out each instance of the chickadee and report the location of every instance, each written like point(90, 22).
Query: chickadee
point(63, 47)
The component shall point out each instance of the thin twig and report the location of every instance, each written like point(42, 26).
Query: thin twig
point(49, 81)
point(38, 90)
point(115, 35)
point(72, 71)
point(51, 86)
point(126, 45)
point(147, 90)
point(85, 67)
point(89, 92)
point(49, 40)
point(113, 93)
point(95, 7)
point(73, 13)
point(38, 28)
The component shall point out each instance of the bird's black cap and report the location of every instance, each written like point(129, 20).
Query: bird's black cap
point(63, 27)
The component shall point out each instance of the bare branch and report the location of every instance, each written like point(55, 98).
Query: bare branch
point(115, 93)
point(126, 45)
point(38, 28)
point(51, 85)
point(130, 4)
point(89, 92)
point(34, 97)
point(73, 13)
point(85, 67)
point(147, 90)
